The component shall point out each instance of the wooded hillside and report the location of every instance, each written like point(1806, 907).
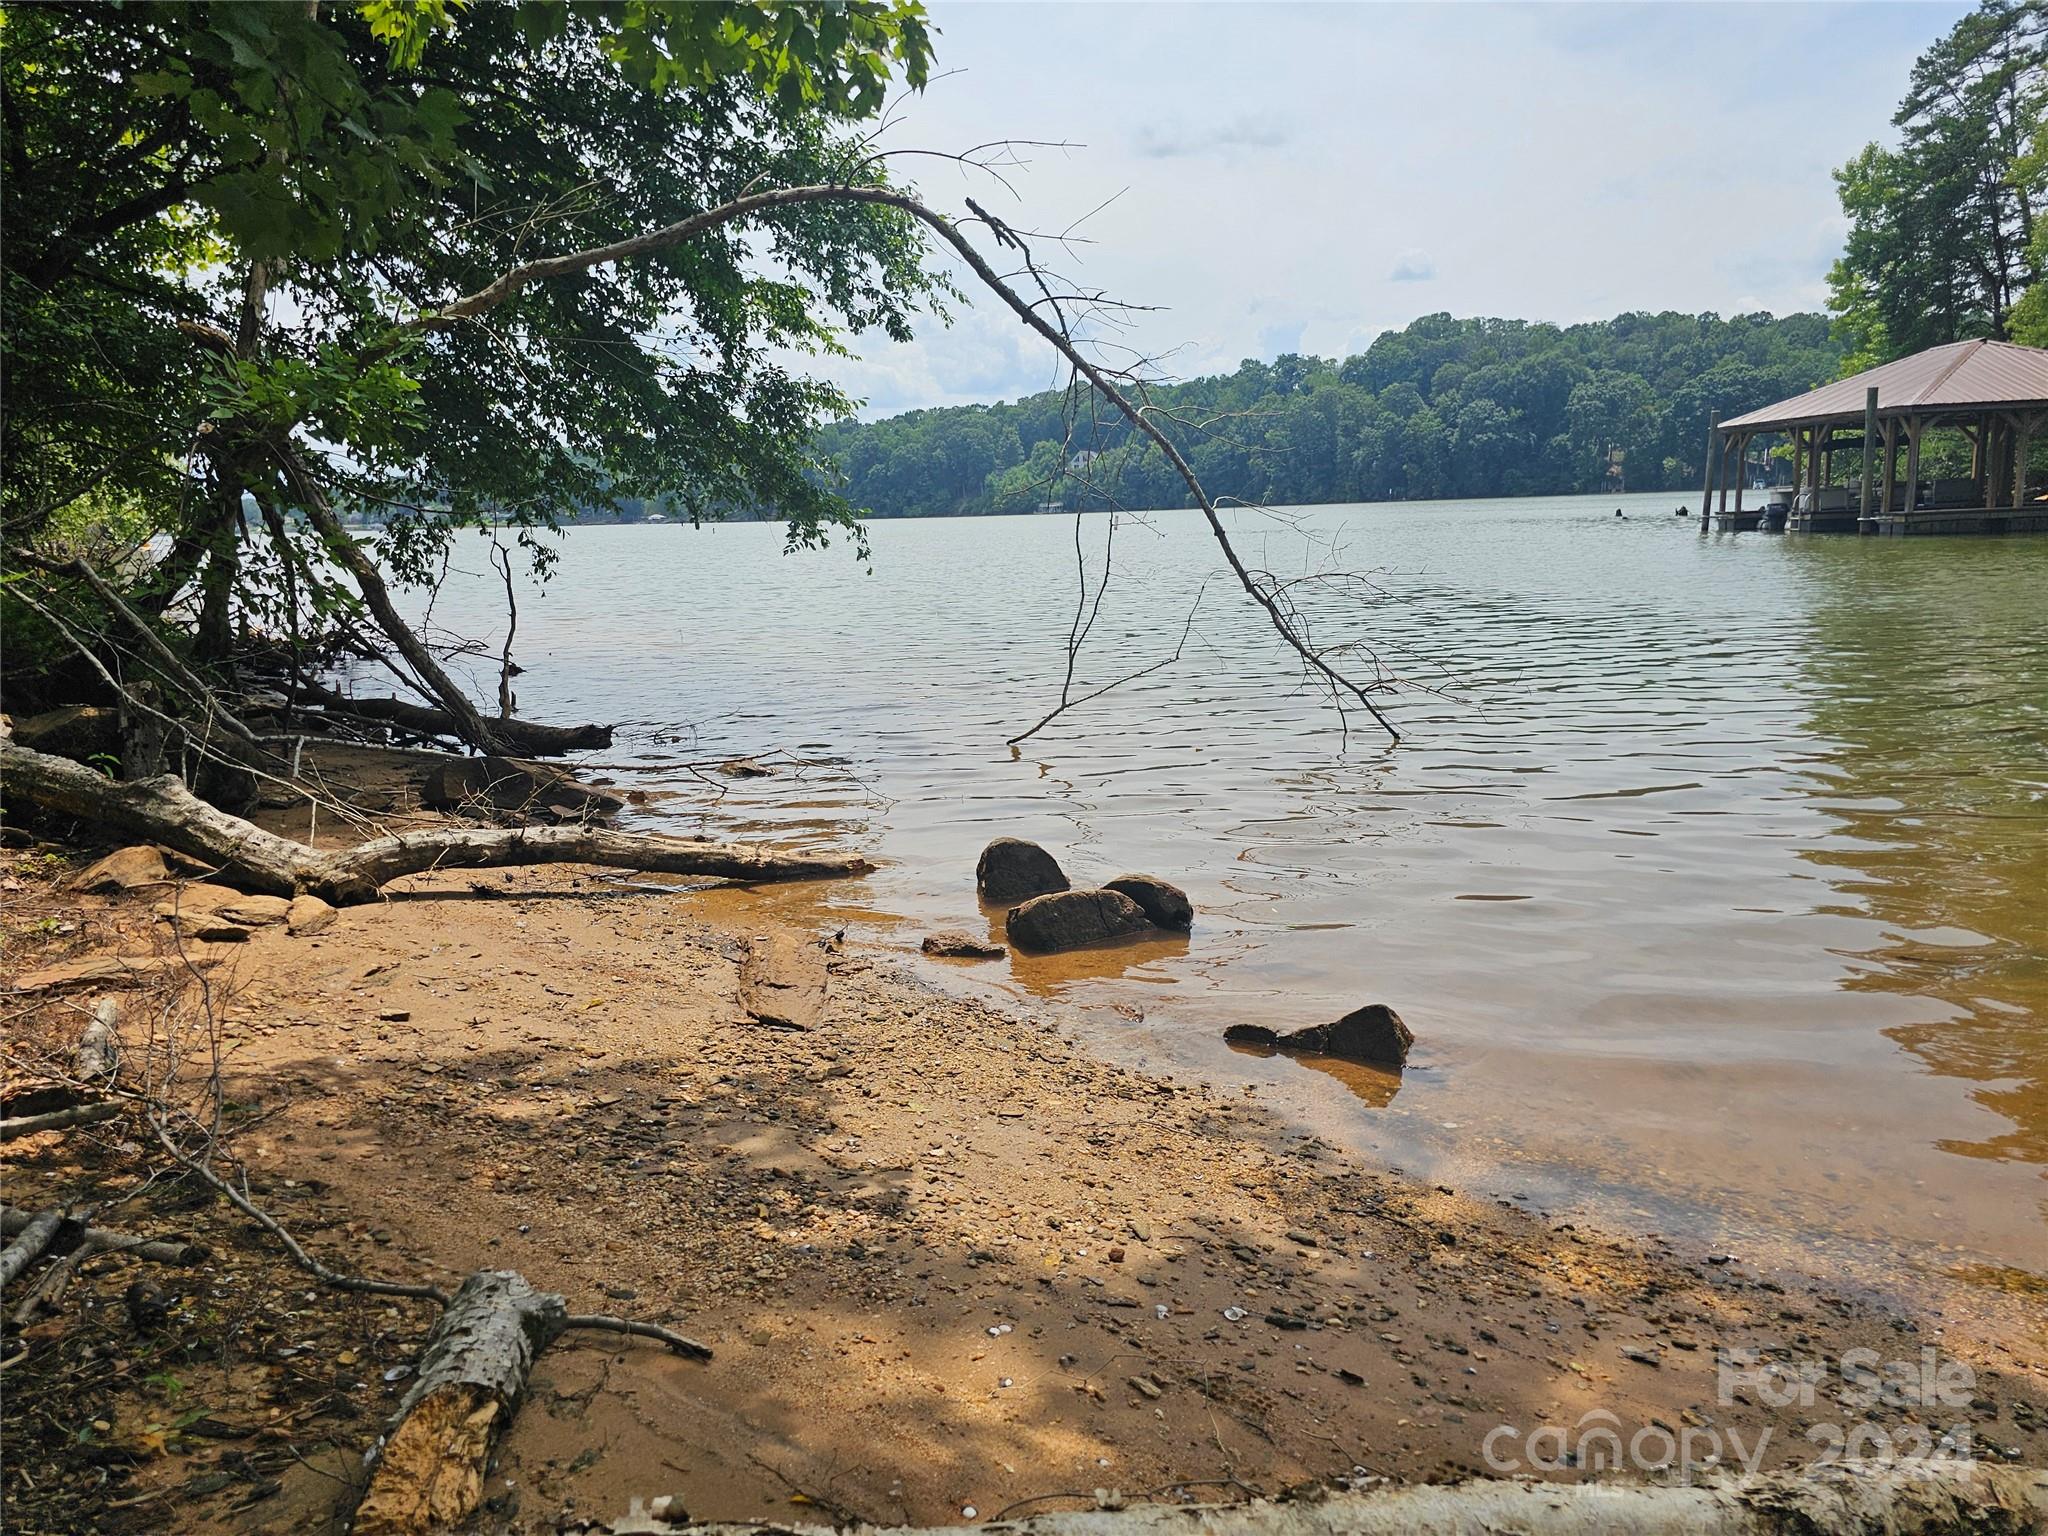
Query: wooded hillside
point(1447, 407)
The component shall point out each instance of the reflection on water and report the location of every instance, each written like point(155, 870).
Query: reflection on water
point(1712, 882)
point(1934, 694)
point(1373, 1087)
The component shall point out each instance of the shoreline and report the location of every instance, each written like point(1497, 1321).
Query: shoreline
point(844, 1215)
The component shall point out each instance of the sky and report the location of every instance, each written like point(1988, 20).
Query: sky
point(1300, 177)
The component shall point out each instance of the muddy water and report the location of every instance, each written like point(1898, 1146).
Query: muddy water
point(1713, 877)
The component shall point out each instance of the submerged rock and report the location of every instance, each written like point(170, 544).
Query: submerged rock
point(1012, 870)
point(1167, 905)
point(955, 945)
point(1073, 919)
point(1373, 1034)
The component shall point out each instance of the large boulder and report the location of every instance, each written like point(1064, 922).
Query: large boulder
point(1011, 870)
point(1373, 1034)
point(1167, 905)
point(1074, 919)
point(509, 784)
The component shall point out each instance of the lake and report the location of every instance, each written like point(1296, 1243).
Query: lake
point(1711, 874)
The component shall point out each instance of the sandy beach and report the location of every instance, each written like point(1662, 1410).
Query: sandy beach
point(950, 1265)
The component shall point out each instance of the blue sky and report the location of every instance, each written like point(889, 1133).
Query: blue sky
point(1286, 177)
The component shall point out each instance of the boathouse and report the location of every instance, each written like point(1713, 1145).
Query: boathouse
point(1856, 449)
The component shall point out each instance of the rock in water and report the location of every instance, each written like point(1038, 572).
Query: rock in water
point(1072, 919)
point(1167, 905)
point(1373, 1034)
point(1011, 870)
point(955, 945)
point(123, 870)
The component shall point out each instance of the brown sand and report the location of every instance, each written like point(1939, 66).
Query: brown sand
point(946, 1259)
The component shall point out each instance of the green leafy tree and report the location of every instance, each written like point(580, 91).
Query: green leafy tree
point(1467, 407)
point(1942, 239)
point(238, 239)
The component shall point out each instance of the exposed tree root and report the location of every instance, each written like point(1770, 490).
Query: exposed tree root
point(162, 810)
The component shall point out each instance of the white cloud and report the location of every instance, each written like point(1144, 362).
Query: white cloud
point(1412, 266)
point(1171, 141)
point(1552, 162)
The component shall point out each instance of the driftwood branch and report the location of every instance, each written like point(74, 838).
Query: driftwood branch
point(59, 1119)
point(173, 1251)
point(86, 1242)
point(526, 737)
point(29, 1244)
point(600, 1322)
point(162, 810)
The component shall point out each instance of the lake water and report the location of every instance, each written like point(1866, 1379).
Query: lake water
point(1712, 877)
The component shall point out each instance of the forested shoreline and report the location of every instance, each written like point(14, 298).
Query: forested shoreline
point(1445, 408)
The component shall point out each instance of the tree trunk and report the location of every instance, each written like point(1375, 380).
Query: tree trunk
point(427, 1472)
point(223, 564)
point(342, 545)
point(163, 811)
point(517, 736)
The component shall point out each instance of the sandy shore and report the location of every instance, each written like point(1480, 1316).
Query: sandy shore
point(948, 1262)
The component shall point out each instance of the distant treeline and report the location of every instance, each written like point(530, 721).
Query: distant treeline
point(1446, 407)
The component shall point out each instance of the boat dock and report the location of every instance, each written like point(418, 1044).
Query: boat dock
point(1937, 443)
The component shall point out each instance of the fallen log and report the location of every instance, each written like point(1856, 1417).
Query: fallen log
point(1911, 1497)
point(59, 1119)
point(527, 736)
point(29, 1245)
point(162, 810)
point(174, 1251)
point(427, 1471)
